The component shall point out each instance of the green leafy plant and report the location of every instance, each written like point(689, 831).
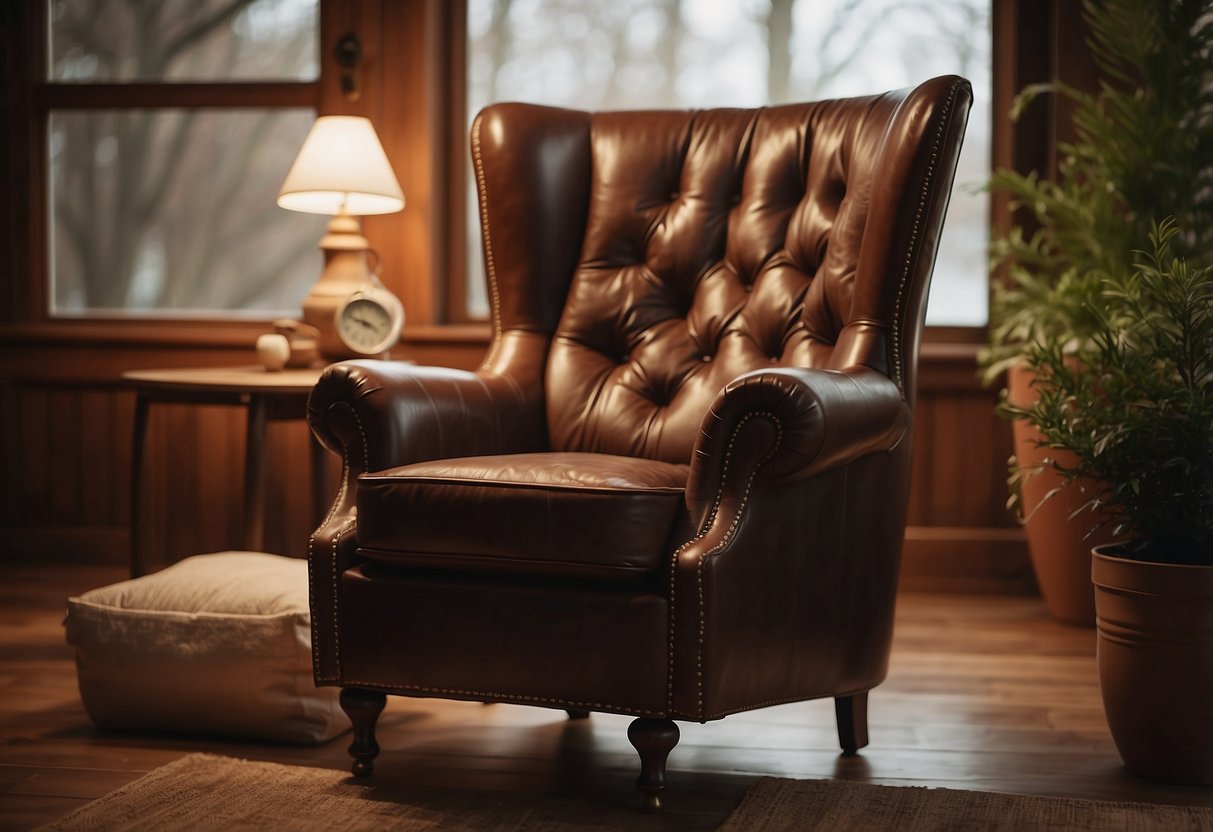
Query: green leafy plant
point(1134, 404)
point(1071, 272)
point(1143, 150)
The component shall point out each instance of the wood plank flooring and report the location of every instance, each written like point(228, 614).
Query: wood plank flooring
point(984, 692)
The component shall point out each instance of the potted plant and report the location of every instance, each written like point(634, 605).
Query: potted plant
point(1142, 145)
point(1133, 407)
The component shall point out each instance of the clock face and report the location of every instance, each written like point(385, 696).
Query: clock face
point(367, 326)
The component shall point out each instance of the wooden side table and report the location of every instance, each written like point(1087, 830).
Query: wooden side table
point(267, 396)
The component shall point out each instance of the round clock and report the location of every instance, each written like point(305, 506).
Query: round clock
point(369, 321)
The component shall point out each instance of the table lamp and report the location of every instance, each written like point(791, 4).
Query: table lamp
point(341, 170)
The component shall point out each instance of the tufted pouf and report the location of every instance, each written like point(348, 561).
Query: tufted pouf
point(215, 644)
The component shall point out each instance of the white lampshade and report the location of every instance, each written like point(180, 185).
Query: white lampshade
point(341, 168)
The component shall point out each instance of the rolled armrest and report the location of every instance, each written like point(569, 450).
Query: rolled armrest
point(381, 414)
point(792, 423)
point(766, 482)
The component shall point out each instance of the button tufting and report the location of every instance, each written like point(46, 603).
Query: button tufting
point(736, 199)
point(705, 358)
point(673, 195)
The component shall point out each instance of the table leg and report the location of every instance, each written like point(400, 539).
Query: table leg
point(138, 439)
point(254, 475)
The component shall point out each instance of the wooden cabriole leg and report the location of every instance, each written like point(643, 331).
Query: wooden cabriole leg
point(575, 713)
point(654, 739)
point(852, 715)
point(363, 708)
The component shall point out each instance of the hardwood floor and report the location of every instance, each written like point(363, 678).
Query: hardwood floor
point(984, 692)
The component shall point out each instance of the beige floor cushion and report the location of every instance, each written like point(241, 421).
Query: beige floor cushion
point(215, 644)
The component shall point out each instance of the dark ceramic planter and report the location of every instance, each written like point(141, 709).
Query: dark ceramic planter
point(1155, 650)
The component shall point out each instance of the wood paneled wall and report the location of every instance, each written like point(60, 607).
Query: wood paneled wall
point(961, 536)
point(67, 445)
point(66, 441)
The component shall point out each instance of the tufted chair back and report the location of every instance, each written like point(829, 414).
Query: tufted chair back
point(711, 243)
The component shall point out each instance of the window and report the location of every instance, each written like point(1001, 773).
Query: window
point(170, 127)
point(679, 53)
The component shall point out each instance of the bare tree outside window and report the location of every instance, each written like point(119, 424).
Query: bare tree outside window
point(170, 211)
point(631, 54)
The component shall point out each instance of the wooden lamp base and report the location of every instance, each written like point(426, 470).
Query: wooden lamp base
point(345, 271)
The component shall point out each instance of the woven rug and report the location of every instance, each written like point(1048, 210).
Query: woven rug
point(207, 792)
point(203, 792)
point(833, 806)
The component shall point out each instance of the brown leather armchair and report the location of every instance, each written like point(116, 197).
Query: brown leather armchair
point(676, 487)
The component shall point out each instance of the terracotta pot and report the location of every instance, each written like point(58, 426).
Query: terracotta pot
point(1155, 650)
point(1059, 546)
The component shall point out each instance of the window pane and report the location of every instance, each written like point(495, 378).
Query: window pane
point(172, 211)
point(723, 53)
point(183, 40)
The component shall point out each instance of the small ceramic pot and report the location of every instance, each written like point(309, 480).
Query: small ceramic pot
point(273, 350)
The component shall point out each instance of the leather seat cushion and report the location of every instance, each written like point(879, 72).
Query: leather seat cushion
point(559, 515)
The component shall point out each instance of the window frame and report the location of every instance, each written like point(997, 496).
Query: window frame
point(399, 90)
point(72, 96)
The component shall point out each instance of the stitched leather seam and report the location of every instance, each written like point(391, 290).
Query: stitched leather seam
point(669, 673)
point(311, 598)
point(609, 491)
point(784, 701)
point(727, 539)
point(332, 512)
point(490, 264)
point(338, 501)
point(510, 697)
point(345, 459)
point(707, 524)
point(912, 248)
point(336, 597)
point(503, 561)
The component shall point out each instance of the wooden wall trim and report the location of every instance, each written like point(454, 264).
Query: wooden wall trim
point(187, 334)
point(91, 96)
point(67, 544)
point(966, 559)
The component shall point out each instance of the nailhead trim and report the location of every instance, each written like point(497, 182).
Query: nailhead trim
point(912, 248)
point(336, 597)
point(311, 561)
point(338, 501)
point(784, 701)
point(507, 697)
point(728, 537)
point(312, 578)
point(490, 264)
